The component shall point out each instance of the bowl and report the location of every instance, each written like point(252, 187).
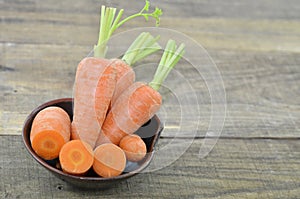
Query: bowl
point(149, 132)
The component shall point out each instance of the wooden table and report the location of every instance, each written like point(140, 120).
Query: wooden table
point(256, 47)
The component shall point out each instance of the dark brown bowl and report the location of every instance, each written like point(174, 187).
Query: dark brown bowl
point(149, 132)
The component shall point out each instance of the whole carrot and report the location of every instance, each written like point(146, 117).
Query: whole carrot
point(144, 45)
point(96, 79)
point(93, 89)
point(134, 107)
point(140, 101)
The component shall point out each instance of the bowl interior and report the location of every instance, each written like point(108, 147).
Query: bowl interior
point(149, 132)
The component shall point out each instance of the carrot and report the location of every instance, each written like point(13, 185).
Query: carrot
point(134, 147)
point(76, 157)
point(94, 86)
point(125, 77)
point(96, 79)
point(144, 45)
point(109, 160)
point(139, 102)
point(128, 114)
point(49, 132)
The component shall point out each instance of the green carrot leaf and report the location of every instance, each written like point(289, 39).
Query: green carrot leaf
point(146, 7)
point(169, 59)
point(144, 45)
point(109, 23)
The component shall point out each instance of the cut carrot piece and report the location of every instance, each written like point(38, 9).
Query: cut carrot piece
point(109, 161)
point(49, 132)
point(76, 157)
point(134, 147)
point(47, 144)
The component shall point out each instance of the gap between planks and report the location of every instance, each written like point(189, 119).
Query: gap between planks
point(209, 137)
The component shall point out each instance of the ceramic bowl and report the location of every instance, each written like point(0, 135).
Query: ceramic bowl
point(149, 132)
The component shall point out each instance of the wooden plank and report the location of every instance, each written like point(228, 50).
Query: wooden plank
point(278, 9)
point(255, 82)
point(258, 103)
point(255, 45)
point(247, 26)
point(255, 168)
point(242, 34)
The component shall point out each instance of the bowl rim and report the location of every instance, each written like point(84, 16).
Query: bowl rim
point(41, 161)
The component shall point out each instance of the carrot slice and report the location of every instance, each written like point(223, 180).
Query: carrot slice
point(47, 144)
point(49, 132)
point(109, 161)
point(76, 157)
point(134, 147)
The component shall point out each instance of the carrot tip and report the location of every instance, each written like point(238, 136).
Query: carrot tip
point(134, 147)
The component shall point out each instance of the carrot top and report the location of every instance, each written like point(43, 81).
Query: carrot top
point(144, 45)
point(169, 59)
point(109, 23)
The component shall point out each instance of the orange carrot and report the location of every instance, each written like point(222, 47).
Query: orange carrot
point(94, 86)
point(49, 132)
point(96, 78)
point(117, 76)
point(134, 147)
point(76, 157)
point(139, 102)
point(125, 77)
point(144, 45)
point(133, 108)
point(109, 160)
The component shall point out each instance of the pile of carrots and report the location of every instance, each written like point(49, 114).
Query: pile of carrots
point(109, 106)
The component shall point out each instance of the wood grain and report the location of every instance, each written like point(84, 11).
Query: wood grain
point(236, 34)
point(255, 45)
point(256, 70)
point(234, 169)
point(258, 103)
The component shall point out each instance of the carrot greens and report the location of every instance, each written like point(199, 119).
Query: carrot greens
point(109, 22)
point(144, 45)
point(169, 59)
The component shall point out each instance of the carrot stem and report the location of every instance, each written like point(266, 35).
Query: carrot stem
point(109, 23)
point(144, 45)
point(169, 59)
